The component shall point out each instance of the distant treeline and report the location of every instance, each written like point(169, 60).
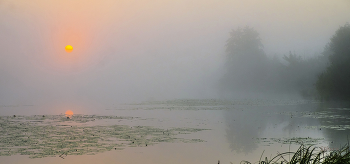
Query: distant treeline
point(249, 70)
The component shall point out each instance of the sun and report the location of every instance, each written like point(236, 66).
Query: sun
point(69, 48)
point(69, 113)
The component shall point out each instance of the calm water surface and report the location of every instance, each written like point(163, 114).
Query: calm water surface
point(210, 130)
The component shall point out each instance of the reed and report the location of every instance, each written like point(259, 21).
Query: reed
point(310, 155)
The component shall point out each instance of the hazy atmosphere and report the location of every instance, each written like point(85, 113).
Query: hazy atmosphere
point(216, 68)
point(140, 50)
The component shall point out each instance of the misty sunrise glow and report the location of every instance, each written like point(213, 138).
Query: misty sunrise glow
point(173, 81)
point(69, 48)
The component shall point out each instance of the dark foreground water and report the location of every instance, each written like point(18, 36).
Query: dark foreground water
point(176, 131)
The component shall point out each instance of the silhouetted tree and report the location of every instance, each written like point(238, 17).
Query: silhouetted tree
point(299, 75)
point(245, 60)
point(293, 59)
point(334, 83)
point(244, 44)
point(250, 72)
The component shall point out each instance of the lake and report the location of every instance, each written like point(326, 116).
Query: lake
point(175, 131)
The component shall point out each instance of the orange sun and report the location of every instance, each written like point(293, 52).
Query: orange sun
point(69, 48)
point(69, 113)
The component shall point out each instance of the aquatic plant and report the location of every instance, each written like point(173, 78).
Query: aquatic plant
point(310, 155)
point(54, 135)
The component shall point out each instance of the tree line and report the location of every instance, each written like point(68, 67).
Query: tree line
point(325, 76)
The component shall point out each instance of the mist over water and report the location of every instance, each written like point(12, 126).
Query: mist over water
point(128, 51)
point(231, 77)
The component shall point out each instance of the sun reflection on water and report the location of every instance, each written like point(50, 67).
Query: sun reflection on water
point(69, 113)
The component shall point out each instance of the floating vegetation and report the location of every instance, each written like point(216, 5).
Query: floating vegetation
point(310, 155)
point(346, 109)
point(187, 108)
point(55, 135)
point(188, 102)
point(331, 119)
point(333, 127)
point(324, 115)
point(308, 141)
point(207, 104)
point(220, 102)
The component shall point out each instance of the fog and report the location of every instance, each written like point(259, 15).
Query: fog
point(126, 51)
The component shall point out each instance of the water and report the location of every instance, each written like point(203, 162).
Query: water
point(176, 131)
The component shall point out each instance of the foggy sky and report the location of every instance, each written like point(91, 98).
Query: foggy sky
point(140, 50)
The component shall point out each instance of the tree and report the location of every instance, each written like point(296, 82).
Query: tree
point(245, 60)
point(334, 83)
point(244, 45)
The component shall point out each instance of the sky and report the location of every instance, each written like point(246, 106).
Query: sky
point(127, 50)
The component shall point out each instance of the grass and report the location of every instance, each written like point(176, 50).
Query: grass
point(310, 155)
